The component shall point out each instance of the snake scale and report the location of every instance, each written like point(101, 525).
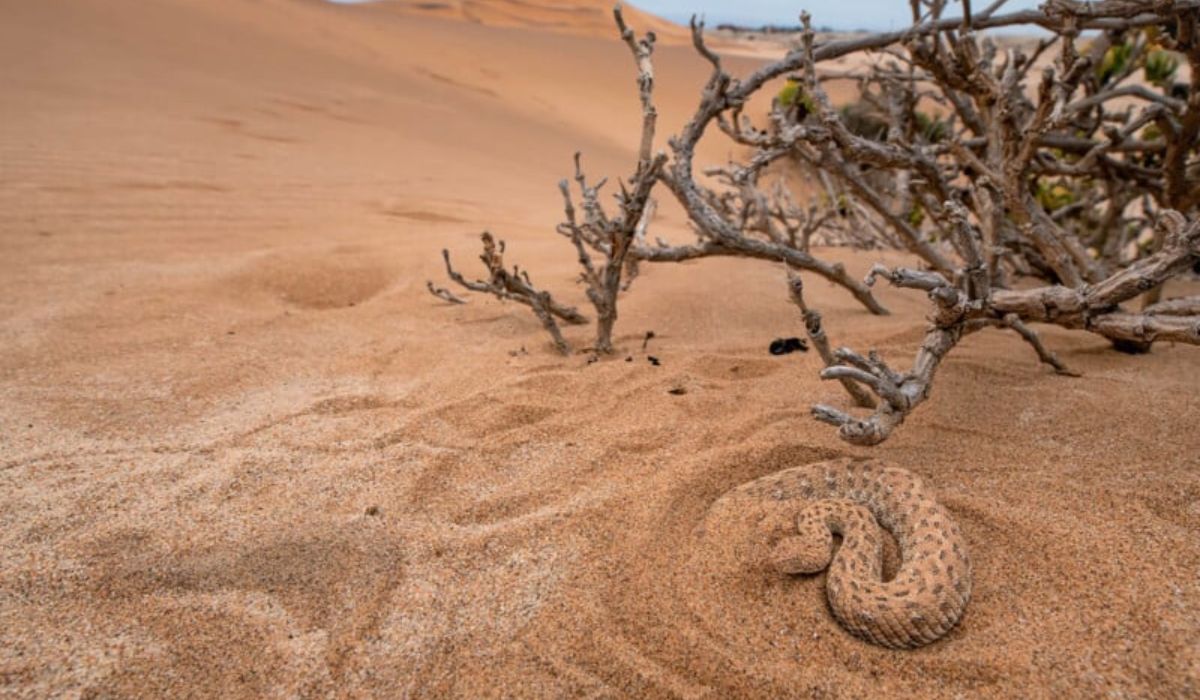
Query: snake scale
point(854, 499)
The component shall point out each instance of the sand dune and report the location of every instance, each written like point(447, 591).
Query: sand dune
point(579, 17)
point(243, 453)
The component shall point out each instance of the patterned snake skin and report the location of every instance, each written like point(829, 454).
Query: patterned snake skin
point(853, 499)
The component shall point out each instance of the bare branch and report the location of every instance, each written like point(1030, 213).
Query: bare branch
point(516, 286)
point(816, 334)
point(900, 398)
point(1182, 306)
point(1035, 341)
point(443, 293)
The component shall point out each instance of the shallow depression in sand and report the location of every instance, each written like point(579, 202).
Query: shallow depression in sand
point(331, 280)
point(713, 587)
point(763, 619)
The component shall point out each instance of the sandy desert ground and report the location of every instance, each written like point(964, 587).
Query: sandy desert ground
point(243, 453)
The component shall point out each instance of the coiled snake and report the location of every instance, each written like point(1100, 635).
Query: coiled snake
point(853, 499)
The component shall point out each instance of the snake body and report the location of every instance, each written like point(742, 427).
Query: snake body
point(853, 499)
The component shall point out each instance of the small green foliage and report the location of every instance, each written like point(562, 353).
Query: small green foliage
point(1115, 61)
point(1053, 195)
point(792, 94)
point(841, 204)
point(916, 215)
point(1160, 68)
point(1150, 159)
point(934, 130)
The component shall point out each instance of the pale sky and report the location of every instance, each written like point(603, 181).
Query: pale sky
point(839, 14)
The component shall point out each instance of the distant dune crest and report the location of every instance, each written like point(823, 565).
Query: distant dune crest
point(581, 17)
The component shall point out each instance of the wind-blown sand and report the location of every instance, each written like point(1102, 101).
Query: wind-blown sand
point(243, 453)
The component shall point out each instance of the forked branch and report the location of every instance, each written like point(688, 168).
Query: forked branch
point(515, 285)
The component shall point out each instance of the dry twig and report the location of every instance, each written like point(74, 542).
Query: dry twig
point(515, 285)
point(443, 293)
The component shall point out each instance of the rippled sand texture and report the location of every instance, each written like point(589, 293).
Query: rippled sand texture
point(243, 453)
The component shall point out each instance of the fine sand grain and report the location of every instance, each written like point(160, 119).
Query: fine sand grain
point(244, 453)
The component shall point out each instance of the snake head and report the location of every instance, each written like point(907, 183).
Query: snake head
point(808, 553)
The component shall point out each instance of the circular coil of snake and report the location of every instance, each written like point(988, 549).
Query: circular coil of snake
point(854, 499)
